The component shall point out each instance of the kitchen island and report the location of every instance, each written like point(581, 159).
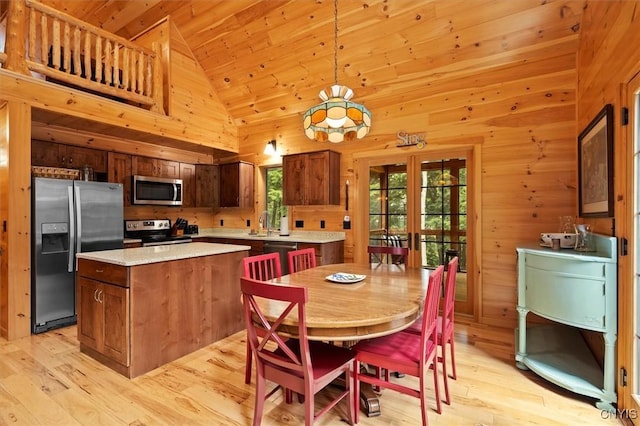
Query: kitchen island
point(141, 308)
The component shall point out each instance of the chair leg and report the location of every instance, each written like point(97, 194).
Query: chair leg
point(260, 396)
point(443, 359)
point(309, 411)
point(436, 385)
point(356, 392)
point(350, 377)
point(453, 358)
point(248, 362)
point(423, 401)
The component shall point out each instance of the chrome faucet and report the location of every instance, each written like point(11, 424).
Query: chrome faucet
point(264, 221)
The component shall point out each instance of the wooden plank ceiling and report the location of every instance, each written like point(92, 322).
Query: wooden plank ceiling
point(268, 59)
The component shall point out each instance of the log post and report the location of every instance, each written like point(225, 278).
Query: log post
point(16, 37)
point(158, 78)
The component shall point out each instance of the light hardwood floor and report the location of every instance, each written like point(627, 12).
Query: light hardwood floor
point(45, 380)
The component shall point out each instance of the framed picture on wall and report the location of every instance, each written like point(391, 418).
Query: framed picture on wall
point(595, 166)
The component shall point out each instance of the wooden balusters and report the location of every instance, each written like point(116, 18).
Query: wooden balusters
point(67, 50)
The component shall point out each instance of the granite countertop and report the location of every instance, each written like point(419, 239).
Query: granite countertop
point(155, 254)
point(318, 237)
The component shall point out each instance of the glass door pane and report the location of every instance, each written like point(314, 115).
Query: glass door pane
point(422, 197)
point(388, 205)
point(443, 217)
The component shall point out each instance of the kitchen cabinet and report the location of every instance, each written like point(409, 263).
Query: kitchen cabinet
point(326, 253)
point(156, 167)
point(133, 329)
point(257, 247)
point(188, 176)
point(207, 185)
point(577, 291)
point(311, 178)
point(103, 310)
point(236, 184)
point(119, 166)
point(52, 154)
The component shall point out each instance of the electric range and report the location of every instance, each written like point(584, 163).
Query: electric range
point(153, 232)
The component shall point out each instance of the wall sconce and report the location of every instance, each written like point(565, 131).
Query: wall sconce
point(271, 148)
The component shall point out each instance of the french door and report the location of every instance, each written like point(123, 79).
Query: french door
point(629, 293)
point(421, 201)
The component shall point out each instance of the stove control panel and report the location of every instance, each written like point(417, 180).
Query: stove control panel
point(147, 225)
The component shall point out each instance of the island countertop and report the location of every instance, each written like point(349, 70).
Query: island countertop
point(145, 255)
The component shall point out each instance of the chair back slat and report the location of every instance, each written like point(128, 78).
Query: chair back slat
point(450, 292)
point(301, 259)
point(430, 313)
point(262, 267)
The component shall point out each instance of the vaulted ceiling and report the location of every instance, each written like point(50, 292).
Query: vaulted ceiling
point(269, 58)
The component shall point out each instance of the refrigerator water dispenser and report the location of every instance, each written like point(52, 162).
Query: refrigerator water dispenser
point(55, 237)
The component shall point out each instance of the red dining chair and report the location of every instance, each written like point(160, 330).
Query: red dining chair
point(406, 353)
point(302, 259)
point(398, 254)
point(261, 267)
point(445, 325)
point(299, 365)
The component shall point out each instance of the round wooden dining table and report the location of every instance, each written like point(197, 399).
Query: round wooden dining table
point(389, 299)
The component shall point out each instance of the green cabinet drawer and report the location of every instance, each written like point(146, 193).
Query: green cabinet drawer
point(566, 265)
point(573, 299)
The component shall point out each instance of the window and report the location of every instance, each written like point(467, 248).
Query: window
point(274, 196)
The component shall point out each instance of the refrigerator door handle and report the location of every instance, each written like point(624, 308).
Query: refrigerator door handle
point(78, 220)
point(72, 229)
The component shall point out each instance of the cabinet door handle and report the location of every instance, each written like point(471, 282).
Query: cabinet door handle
point(100, 298)
point(95, 295)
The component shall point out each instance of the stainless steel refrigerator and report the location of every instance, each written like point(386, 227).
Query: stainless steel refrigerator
point(68, 217)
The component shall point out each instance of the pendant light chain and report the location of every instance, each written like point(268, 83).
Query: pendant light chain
point(335, 42)
point(336, 118)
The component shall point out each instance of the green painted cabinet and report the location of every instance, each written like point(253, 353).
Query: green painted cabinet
point(577, 291)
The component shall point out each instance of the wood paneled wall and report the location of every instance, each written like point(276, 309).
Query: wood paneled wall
point(524, 115)
point(607, 60)
point(523, 112)
point(189, 96)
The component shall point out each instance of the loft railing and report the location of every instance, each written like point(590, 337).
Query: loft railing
point(68, 51)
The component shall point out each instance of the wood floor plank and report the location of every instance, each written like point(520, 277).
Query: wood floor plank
point(46, 380)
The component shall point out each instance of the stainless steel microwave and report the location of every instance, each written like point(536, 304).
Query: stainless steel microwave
point(156, 190)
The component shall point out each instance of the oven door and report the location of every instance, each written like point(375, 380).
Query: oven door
point(157, 191)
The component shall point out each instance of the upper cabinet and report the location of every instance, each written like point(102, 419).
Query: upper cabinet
point(51, 154)
point(236, 184)
point(147, 166)
point(311, 178)
point(207, 185)
point(188, 176)
point(120, 172)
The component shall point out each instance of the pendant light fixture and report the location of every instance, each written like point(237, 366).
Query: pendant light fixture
point(336, 119)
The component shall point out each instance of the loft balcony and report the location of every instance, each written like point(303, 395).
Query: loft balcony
point(46, 43)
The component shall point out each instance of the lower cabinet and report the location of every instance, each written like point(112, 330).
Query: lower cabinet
point(326, 253)
point(257, 247)
point(103, 318)
point(136, 318)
